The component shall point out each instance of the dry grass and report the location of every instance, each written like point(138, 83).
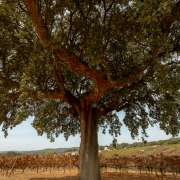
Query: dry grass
point(72, 175)
point(32, 175)
point(169, 149)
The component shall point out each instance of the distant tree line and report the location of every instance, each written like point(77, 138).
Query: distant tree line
point(145, 143)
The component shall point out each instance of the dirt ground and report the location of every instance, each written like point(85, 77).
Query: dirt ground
point(72, 175)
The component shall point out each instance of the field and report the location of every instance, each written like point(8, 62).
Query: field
point(166, 149)
point(130, 163)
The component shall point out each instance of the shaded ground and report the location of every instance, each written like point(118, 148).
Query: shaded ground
point(115, 177)
point(56, 175)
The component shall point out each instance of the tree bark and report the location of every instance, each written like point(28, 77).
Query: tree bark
point(89, 161)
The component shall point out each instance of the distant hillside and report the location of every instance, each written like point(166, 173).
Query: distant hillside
point(168, 150)
point(43, 151)
point(167, 147)
point(145, 143)
point(57, 150)
point(171, 145)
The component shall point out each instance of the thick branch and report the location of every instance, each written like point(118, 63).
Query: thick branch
point(40, 27)
point(169, 18)
point(117, 107)
point(118, 101)
point(39, 95)
point(65, 96)
point(54, 95)
point(72, 62)
point(116, 104)
point(7, 82)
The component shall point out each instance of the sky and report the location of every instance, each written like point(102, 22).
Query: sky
point(25, 138)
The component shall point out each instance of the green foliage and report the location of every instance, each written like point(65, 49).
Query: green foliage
point(53, 118)
point(116, 38)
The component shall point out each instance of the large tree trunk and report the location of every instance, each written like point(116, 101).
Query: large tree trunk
point(89, 161)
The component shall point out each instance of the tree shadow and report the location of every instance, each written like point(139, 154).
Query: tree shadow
point(57, 178)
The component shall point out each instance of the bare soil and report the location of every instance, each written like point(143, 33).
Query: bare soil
point(72, 175)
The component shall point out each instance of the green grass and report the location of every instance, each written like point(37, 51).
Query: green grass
point(169, 149)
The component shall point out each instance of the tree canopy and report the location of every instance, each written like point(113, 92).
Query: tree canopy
point(116, 55)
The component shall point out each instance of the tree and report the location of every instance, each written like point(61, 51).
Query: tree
point(74, 64)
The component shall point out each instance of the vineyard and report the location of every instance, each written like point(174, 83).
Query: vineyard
point(159, 165)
